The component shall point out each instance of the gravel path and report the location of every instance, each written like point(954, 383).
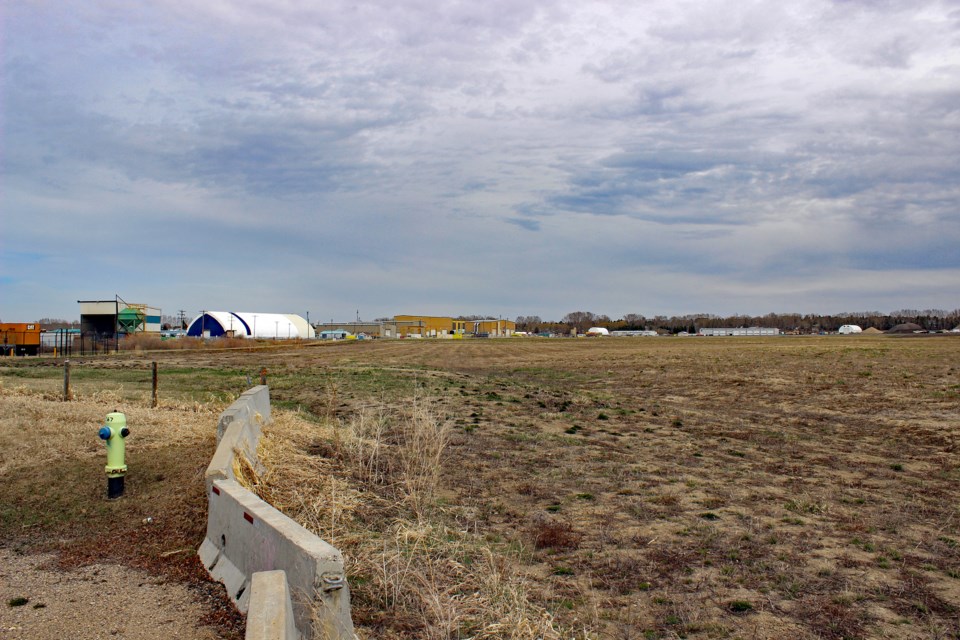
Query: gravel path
point(97, 602)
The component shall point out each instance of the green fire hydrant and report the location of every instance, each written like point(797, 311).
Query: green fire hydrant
point(114, 433)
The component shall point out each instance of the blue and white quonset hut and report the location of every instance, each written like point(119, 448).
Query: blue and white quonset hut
point(272, 326)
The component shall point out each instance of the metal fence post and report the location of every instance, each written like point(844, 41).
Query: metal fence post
point(66, 380)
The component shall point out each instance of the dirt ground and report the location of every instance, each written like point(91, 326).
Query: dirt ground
point(641, 488)
point(42, 601)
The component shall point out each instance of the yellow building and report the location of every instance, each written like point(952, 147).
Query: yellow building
point(443, 327)
point(492, 327)
point(423, 326)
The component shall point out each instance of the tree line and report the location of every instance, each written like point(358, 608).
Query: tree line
point(927, 319)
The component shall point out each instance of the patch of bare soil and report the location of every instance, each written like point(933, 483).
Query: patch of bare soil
point(39, 601)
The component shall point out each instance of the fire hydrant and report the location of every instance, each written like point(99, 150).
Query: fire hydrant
point(114, 433)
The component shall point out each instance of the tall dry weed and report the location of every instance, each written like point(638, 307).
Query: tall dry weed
point(425, 435)
point(507, 609)
point(369, 485)
point(365, 444)
point(449, 585)
point(401, 450)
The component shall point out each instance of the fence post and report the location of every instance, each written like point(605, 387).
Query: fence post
point(156, 384)
point(66, 380)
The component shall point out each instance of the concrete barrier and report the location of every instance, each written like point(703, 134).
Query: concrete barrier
point(270, 616)
point(239, 429)
point(245, 536)
point(252, 403)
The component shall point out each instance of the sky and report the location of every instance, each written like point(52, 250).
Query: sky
point(497, 158)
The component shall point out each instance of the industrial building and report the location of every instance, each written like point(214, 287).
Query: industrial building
point(376, 329)
point(335, 334)
point(442, 326)
point(117, 317)
point(412, 326)
point(740, 331)
point(238, 324)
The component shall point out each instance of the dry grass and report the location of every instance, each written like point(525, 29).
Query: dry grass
point(423, 438)
point(370, 485)
point(731, 488)
point(700, 489)
point(145, 342)
point(54, 497)
point(39, 426)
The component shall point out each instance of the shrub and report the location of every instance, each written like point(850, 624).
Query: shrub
point(553, 534)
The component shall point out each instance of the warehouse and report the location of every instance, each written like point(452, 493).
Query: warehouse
point(443, 326)
point(117, 317)
point(374, 329)
point(411, 326)
point(237, 324)
point(740, 331)
point(491, 327)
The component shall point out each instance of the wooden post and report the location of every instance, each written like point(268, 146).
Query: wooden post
point(263, 375)
point(66, 380)
point(156, 384)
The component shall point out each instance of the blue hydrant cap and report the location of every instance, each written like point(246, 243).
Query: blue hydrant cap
point(105, 433)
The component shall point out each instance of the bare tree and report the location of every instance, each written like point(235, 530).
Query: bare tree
point(581, 320)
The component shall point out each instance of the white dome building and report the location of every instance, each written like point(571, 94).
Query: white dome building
point(847, 329)
point(273, 326)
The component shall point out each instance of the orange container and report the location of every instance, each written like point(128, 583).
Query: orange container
point(19, 338)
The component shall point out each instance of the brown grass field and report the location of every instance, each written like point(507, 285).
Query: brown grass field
point(796, 487)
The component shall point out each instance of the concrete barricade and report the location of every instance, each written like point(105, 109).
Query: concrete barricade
point(270, 616)
point(238, 429)
point(252, 403)
point(245, 535)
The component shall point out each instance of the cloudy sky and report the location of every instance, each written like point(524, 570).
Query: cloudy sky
point(498, 157)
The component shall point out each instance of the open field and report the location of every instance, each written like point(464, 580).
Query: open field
point(608, 488)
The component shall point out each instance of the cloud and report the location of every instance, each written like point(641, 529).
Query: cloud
point(392, 152)
point(523, 223)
